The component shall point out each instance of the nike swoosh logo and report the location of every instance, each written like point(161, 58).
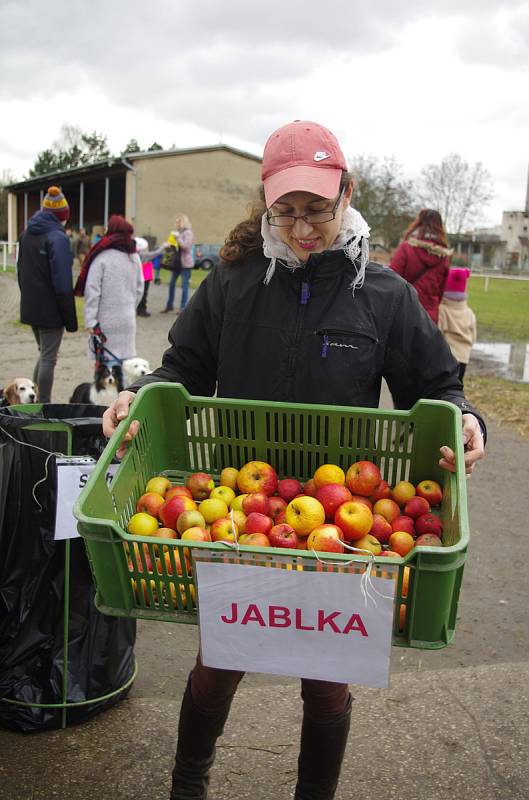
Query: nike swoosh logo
point(321, 156)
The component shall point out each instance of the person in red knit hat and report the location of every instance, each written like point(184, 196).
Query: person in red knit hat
point(423, 259)
point(44, 270)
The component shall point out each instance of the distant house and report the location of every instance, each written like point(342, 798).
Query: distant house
point(482, 247)
point(515, 233)
point(211, 185)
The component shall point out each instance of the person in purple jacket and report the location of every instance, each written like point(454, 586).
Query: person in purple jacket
point(44, 270)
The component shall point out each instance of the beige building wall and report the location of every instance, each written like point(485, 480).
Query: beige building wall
point(214, 189)
point(12, 216)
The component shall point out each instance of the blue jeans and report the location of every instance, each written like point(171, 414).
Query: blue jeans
point(186, 275)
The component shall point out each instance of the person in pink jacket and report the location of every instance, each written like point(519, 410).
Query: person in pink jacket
point(423, 259)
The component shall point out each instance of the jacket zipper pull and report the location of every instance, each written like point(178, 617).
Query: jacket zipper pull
point(305, 293)
point(325, 346)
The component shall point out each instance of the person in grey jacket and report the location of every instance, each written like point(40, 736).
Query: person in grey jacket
point(44, 269)
point(111, 280)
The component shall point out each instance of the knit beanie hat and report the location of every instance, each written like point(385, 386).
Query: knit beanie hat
point(456, 283)
point(57, 203)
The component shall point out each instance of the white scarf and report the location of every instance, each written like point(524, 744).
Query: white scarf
point(353, 239)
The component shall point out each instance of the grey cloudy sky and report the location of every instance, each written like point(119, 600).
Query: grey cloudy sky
point(415, 80)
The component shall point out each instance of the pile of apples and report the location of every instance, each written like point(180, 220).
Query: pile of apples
point(252, 506)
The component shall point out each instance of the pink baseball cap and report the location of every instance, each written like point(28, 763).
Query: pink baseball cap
point(302, 156)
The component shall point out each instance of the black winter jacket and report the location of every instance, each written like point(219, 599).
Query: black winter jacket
point(306, 338)
point(45, 274)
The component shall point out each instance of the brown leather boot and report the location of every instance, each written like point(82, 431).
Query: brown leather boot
point(195, 752)
point(321, 755)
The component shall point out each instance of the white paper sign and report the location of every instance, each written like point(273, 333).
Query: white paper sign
point(72, 475)
point(302, 624)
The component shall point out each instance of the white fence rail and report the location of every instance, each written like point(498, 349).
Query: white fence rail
point(9, 254)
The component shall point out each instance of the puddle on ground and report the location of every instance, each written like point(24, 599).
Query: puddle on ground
point(505, 359)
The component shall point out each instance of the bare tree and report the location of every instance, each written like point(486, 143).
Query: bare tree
point(458, 190)
point(383, 197)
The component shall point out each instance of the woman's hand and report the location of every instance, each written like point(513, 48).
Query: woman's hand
point(114, 414)
point(474, 446)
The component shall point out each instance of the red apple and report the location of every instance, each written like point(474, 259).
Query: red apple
point(402, 492)
point(428, 523)
point(256, 501)
point(302, 543)
point(431, 491)
point(326, 538)
point(257, 476)
point(416, 507)
point(171, 510)
point(309, 487)
point(332, 495)
point(200, 485)
point(150, 503)
point(362, 477)
point(196, 534)
point(255, 540)
point(390, 554)
point(281, 517)
point(258, 523)
point(404, 523)
point(288, 488)
point(283, 536)
point(401, 542)
point(428, 540)
point(354, 518)
point(275, 506)
point(381, 528)
point(381, 491)
point(388, 508)
point(365, 500)
point(223, 530)
point(175, 491)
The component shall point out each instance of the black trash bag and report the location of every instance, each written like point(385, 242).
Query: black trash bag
point(32, 582)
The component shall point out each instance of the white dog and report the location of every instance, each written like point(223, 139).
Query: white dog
point(19, 391)
point(134, 368)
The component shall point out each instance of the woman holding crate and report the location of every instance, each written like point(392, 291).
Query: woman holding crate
point(295, 312)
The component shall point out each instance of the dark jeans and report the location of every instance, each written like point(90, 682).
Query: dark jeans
point(142, 305)
point(49, 341)
point(212, 688)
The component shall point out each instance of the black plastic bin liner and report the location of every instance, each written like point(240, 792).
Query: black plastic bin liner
point(32, 583)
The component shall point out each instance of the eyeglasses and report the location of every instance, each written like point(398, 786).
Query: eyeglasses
point(313, 218)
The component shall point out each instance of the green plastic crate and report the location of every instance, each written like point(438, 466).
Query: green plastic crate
point(180, 434)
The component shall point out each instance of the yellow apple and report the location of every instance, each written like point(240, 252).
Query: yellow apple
point(228, 477)
point(142, 524)
point(222, 493)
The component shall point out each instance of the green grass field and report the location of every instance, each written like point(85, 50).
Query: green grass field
point(503, 310)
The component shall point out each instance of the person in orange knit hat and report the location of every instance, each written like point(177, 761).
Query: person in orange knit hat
point(44, 270)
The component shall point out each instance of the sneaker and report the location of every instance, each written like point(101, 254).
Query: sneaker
point(167, 311)
point(143, 313)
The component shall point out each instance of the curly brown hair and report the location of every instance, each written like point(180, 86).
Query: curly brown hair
point(246, 237)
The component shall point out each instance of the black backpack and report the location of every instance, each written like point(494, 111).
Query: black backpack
point(172, 259)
